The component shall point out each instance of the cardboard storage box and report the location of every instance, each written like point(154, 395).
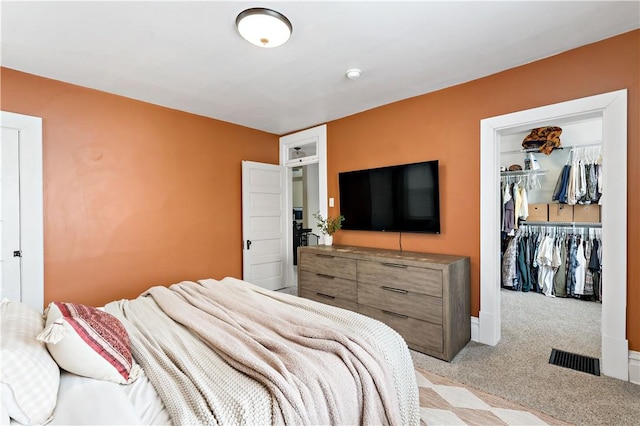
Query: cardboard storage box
point(560, 213)
point(586, 213)
point(538, 213)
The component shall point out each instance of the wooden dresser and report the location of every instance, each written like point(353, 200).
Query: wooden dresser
point(424, 297)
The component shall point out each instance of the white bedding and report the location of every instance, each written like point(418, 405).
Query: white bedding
point(85, 401)
point(256, 331)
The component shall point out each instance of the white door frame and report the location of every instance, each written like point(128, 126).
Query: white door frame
point(317, 135)
point(612, 107)
point(31, 205)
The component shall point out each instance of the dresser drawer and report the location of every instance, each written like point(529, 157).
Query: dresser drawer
point(328, 264)
point(327, 300)
point(410, 278)
point(328, 285)
point(418, 334)
point(414, 305)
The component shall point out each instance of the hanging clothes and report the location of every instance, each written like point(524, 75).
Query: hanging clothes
point(521, 204)
point(594, 267)
point(592, 183)
point(580, 180)
point(509, 264)
point(533, 245)
point(581, 188)
point(554, 263)
point(588, 277)
point(572, 264)
point(523, 265)
point(545, 272)
point(580, 270)
point(562, 186)
point(508, 216)
point(599, 177)
point(560, 278)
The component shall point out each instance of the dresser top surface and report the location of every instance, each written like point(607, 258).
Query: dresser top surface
point(364, 252)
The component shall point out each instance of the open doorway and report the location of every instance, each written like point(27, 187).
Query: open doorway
point(550, 286)
point(612, 109)
point(304, 199)
point(304, 156)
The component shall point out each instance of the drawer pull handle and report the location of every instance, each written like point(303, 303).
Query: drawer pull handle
point(394, 265)
point(325, 255)
point(325, 296)
point(395, 290)
point(395, 315)
point(329, 277)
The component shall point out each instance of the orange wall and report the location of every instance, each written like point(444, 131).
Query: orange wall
point(135, 194)
point(139, 195)
point(445, 125)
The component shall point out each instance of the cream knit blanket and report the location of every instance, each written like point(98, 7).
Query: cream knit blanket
point(276, 358)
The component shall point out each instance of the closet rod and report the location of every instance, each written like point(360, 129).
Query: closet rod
point(534, 150)
point(586, 145)
point(527, 150)
point(564, 224)
point(523, 173)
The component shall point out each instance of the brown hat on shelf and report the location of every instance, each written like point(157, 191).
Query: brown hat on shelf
point(515, 167)
point(544, 139)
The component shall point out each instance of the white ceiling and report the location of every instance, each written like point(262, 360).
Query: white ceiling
point(189, 56)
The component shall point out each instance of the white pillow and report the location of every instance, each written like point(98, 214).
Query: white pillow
point(30, 377)
point(89, 342)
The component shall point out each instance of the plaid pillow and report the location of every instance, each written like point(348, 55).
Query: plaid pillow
point(89, 342)
point(30, 377)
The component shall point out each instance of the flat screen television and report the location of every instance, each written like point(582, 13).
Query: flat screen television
point(402, 198)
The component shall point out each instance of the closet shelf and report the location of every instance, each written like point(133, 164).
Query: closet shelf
point(524, 173)
point(536, 150)
point(561, 147)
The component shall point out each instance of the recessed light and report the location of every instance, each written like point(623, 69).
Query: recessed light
point(353, 73)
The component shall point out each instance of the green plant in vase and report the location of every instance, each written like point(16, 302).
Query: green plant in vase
point(328, 226)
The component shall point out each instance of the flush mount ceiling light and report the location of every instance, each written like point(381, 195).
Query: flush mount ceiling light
point(264, 27)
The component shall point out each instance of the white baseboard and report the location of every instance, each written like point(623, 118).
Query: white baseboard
point(634, 367)
point(475, 328)
point(615, 358)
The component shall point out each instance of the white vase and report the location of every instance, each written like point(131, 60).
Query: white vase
point(328, 240)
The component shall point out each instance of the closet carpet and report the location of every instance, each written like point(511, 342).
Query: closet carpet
point(518, 368)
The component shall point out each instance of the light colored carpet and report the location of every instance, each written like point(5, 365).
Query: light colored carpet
point(518, 367)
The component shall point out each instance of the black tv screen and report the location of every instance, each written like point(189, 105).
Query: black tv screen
point(403, 198)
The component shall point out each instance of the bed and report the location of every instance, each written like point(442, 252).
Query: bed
point(207, 352)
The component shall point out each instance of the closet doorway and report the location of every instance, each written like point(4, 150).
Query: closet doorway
point(550, 299)
point(611, 108)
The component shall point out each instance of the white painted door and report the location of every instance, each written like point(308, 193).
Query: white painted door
point(263, 221)
point(10, 280)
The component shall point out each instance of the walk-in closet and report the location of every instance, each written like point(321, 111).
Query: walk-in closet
point(551, 192)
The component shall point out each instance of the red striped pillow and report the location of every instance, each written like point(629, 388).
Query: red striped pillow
point(89, 342)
